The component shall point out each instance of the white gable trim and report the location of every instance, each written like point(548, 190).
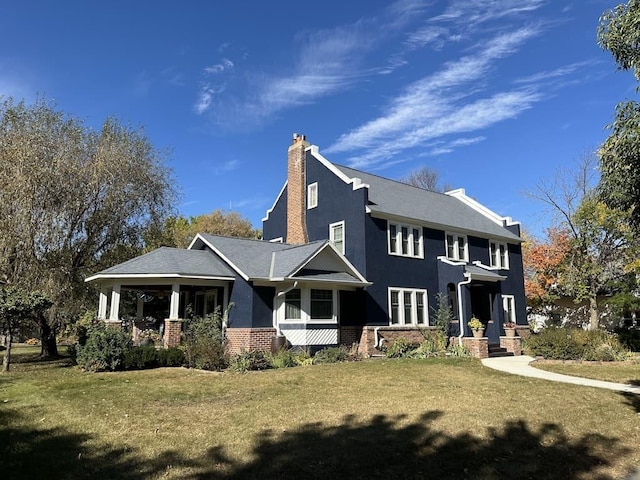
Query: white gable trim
point(125, 276)
point(275, 203)
point(200, 238)
point(478, 207)
point(355, 181)
point(329, 245)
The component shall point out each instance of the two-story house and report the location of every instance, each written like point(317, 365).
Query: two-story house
point(347, 257)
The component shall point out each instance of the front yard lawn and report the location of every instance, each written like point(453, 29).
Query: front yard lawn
point(441, 418)
point(620, 372)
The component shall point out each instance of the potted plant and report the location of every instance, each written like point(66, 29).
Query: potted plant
point(477, 327)
point(510, 329)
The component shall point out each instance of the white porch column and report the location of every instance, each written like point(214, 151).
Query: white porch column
point(102, 304)
point(115, 303)
point(174, 307)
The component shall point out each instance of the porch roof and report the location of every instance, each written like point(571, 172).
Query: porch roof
point(482, 274)
point(167, 262)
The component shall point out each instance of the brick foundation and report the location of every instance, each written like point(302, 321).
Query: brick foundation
point(172, 332)
point(512, 344)
point(478, 347)
point(350, 335)
point(388, 335)
point(523, 331)
point(244, 339)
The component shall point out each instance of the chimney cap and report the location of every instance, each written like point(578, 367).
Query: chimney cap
point(298, 138)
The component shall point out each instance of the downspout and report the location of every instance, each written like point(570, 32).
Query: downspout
point(460, 309)
point(284, 292)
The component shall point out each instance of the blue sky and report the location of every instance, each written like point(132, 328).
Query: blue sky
point(493, 94)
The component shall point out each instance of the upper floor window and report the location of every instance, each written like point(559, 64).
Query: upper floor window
point(336, 235)
point(456, 245)
point(405, 240)
point(499, 255)
point(407, 306)
point(312, 195)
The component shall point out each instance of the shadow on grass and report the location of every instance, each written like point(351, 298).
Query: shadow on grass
point(381, 447)
point(633, 400)
point(635, 383)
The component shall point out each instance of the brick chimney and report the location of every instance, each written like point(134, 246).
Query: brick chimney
point(297, 191)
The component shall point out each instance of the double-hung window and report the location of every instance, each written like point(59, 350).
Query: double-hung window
point(312, 195)
point(509, 306)
point(336, 235)
point(292, 302)
point(408, 306)
point(456, 247)
point(499, 255)
point(405, 240)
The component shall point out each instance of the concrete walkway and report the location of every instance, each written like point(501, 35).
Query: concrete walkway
point(520, 366)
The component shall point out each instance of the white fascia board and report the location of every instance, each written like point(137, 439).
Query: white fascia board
point(485, 278)
point(128, 276)
point(355, 181)
point(219, 253)
point(329, 244)
point(438, 226)
point(275, 203)
point(478, 207)
point(448, 261)
point(478, 263)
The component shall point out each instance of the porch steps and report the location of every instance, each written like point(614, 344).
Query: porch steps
point(495, 350)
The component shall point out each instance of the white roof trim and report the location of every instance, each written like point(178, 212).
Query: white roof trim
point(275, 203)
point(478, 263)
point(219, 253)
point(101, 276)
point(478, 207)
point(355, 181)
point(448, 261)
point(485, 278)
point(330, 245)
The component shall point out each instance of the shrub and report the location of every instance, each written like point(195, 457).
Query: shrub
point(399, 348)
point(456, 350)
point(33, 341)
point(204, 343)
point(575, 344)
point(431, 347)
point(104, 349)
point(290, 358)
point(338, 354)
point(630, 338)
point(137, 358)
point(250, 360)
point(171, 357)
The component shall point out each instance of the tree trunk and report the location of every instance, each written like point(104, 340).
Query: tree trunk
point(6, 361)
point(594, 314)
point(48, 338)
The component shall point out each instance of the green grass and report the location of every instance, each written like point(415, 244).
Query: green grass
point(439, 418)
point(627, 372)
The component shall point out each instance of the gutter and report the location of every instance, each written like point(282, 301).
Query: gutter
point(460, 309)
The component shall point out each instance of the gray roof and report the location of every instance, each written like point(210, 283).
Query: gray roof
point(390, 197)
point(258, 259)
point(480, 273)
point(172, 261)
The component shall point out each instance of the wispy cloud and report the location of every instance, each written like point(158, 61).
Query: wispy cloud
point(560, 72)
point(433, 101)
point(225, 64)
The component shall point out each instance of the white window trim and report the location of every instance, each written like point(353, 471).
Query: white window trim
point(499, 264)
point(305, 306)
point(410, 242)
point(276, 240)
point(505, 300)
point(456, 250)
point(414, 310)
point(312, 194)
point(332, 226)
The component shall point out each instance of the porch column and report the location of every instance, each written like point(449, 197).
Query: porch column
point(115, 303)
point(174, 307)
point(102, 304)
point(140, 309)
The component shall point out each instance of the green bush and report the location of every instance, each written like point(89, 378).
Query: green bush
point(171, 357)
point(456, 350)
point(560, 343)
point(105, 348)
point(399, 348)
point(341, 353)
point(250, 360)
point(429, 348)
point(205, 344)
point(630, 338)
point(138, 358)
point(290, 358)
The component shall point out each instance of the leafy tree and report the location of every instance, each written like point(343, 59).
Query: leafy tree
point(72, 201)
point(619, 32)
point(179, 231)
point(17, 307)
point(543, 262)
point(600, 246)
point(425, 178)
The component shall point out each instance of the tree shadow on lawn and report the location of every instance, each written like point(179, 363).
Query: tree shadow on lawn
point(633, 400)
point(382, 447)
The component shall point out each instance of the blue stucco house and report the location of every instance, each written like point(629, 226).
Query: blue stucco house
point(346, 257)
